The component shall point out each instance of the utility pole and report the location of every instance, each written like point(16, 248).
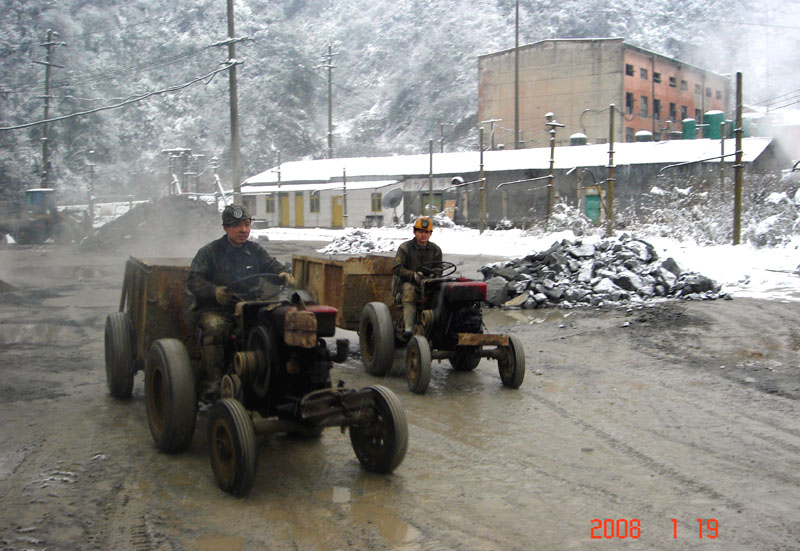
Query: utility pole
point(49, 46)
point(234, 101)
point(328, 64)
point(432, 209)
point(483, 186)
point(738, 166)
point(516, 76)
point(611, 179)
point(551, 122)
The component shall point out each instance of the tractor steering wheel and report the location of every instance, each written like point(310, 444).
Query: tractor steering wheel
point(252, 292)
point(429, 269)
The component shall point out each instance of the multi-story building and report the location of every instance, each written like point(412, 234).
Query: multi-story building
point(578, 79)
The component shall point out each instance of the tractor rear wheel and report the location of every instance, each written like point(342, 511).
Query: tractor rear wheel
point(465, 358)
point(376, 338)
point(170, 395)
point(120, 355)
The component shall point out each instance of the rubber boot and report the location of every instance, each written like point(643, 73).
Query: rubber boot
point(409, 313)
point(212, 358)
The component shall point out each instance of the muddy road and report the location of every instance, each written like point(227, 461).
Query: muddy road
point(629, 427)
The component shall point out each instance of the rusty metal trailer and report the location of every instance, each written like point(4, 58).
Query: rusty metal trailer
point(347, 284)
point(361, 289)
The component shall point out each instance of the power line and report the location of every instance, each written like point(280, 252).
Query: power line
point(209, 77)
point(108, 75)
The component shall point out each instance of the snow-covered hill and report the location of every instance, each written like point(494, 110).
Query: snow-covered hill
point(405, 72)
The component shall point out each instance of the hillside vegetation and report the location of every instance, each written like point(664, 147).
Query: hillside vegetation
point(405, 72)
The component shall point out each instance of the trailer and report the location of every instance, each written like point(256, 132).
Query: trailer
point(448, 313)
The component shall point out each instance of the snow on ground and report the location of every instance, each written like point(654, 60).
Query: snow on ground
point(742, 270)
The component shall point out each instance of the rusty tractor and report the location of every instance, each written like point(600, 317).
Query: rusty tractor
point(276, 376)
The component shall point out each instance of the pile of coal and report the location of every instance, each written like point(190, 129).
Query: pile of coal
point(574, 273)
point(171, 226)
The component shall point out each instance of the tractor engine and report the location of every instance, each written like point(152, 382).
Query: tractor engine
point(458, 310)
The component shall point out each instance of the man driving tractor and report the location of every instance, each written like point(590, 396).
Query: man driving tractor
point(214, 268)
point(407, 276)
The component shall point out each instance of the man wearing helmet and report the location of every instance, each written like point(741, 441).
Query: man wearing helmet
point(410, 257)
point(210, 301)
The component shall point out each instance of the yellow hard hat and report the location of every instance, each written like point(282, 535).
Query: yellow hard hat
point(424, 223)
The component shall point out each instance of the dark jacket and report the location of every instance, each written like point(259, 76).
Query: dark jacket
point(219, 263)
point(410, 256)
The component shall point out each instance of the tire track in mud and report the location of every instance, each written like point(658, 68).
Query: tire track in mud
point(737, 420)
point(683, 481)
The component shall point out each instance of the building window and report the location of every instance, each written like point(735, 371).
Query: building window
point(672, 82)
point(628, 134)
point(673, 112)
point(629, 69)
point(656, 77)
point(376, 202)
point(708, 92)
point(643, 106)
point(643, 74)
point(719, 94)
point(698, 89)
point(269, 204)
point(684, 112)
point(629, 103)
point(657, 109)
point(698, 116)
point(684, 85)
point(313, 202)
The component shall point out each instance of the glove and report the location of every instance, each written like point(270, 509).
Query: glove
point(418, 277)
point(223, 296)
point(287, 278)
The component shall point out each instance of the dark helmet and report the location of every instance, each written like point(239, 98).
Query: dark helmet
point(233, 214)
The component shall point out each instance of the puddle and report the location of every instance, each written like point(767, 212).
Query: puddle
point(39, 333)
point(399, 534)
point(497, 317)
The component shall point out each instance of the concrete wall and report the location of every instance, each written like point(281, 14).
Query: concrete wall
point(559, 76)
point(578, 79)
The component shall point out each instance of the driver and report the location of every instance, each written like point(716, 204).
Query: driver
point(214, 267)
point(410, 257)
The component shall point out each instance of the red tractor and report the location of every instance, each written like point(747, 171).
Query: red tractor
point(449, 326)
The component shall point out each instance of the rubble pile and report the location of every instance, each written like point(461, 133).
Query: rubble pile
point(359, 242)
point(574, 273)
point(172, 226)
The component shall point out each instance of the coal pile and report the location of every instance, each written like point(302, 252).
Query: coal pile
point(174, 226)
point(359, 242)
point(574, 273)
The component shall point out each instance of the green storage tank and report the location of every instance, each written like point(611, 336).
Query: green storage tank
point(688, 129)
point(713, 121)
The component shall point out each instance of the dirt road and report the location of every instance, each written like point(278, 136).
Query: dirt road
point(646, 420)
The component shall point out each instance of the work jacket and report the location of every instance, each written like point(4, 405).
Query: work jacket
point(220, 263)
point(410, 256)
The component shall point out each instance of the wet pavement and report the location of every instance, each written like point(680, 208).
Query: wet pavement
point(649, 419)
